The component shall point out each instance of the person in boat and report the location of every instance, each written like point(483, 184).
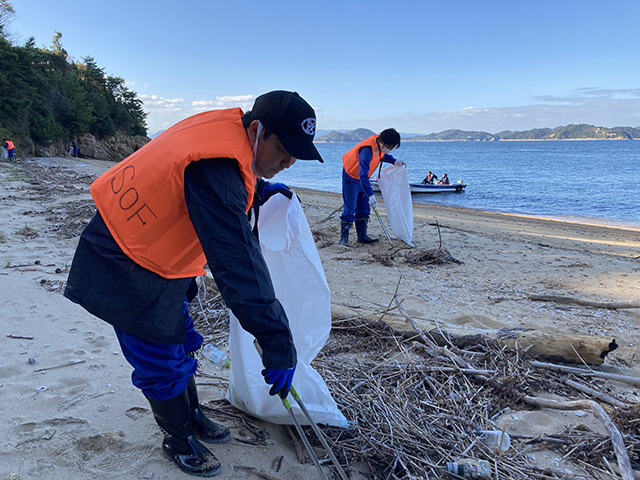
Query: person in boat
point(180, 202)
point(358, 164)
point(444, 180)
point(429, 179)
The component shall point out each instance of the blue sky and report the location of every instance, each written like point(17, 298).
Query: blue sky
point(419, 66)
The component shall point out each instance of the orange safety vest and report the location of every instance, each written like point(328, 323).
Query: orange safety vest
point(350, 159)
point(10, 145)
point(141, 199)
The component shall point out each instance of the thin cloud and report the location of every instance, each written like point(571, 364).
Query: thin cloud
point(164, 112)
point(590, 105)
point(156, 105)
point(243, 101)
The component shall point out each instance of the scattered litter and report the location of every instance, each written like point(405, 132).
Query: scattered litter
point(31, 360)
point(41, 389)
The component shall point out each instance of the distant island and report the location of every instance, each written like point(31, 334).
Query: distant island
point(568, 132)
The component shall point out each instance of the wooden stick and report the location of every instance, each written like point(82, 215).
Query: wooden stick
point(332, 214)
point(616, 437)
point(20, 337)
point(595, 393)
point(586, 303)
point(73, 362)
point(302, 458)
point(589, 373)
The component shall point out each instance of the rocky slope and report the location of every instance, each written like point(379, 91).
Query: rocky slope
point(113, 148)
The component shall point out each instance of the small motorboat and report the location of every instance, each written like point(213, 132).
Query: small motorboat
point(429, 188)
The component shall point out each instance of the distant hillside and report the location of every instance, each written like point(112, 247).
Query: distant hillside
point(453, 135)
point(339, 137)
point(573, 132)
point(567, 132)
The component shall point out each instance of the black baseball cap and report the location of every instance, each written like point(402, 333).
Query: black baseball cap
point(292, 119)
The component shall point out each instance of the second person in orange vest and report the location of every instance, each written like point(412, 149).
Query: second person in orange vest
point(178, 203)
point(10, 147)
point(359, 163)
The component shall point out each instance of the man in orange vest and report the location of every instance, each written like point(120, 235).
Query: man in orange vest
point(11, 148)
point(359, 163)
point(178, 203)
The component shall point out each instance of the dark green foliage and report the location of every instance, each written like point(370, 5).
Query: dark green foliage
point(45, 97)
point(456, 135)
point(535, 134)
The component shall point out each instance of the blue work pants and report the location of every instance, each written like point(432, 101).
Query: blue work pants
point(354, 198)
point(161, 371)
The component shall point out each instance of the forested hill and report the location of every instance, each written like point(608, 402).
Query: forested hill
point(47, 99)
point(568, 132)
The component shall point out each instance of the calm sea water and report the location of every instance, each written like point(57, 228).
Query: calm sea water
point(595, 181)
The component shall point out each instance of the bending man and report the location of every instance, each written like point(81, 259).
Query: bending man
point(176, 204)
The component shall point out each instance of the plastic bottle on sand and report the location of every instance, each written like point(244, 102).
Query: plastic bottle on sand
point(470, 468)
point(496, 439)
point(215, 355)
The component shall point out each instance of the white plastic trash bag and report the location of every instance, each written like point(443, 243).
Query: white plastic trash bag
point(301, 286)
point(396, 194)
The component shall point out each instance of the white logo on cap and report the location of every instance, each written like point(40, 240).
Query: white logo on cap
point(309, 126)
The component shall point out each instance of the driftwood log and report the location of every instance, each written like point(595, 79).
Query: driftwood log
point(546, 345)
point(583, 302)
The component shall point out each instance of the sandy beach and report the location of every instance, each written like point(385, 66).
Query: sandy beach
point(71, 412)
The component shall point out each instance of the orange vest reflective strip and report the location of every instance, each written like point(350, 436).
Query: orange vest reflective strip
point(141, 199)
point(10, 145)
point(350, 159)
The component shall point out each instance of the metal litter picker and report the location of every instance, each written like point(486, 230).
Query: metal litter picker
point(375, 210)
point(305, 440)
point(317, 431)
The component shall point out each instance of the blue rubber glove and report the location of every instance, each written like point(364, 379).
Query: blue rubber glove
point(265, 190)
point(281, 379)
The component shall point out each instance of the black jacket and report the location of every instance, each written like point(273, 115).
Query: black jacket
point(106, 282)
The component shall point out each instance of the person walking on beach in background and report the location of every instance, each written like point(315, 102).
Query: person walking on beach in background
point(178, 203)
point(444, 180)
point(359, 163)
point(10, 147)
point(429, 179)
point(73, 149)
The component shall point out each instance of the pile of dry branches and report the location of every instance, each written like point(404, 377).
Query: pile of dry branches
point(413, 406)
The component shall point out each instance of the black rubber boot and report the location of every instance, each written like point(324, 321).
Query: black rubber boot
point(203, 428)
point(361, 229)
point(344, 233)
point(179, 444)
